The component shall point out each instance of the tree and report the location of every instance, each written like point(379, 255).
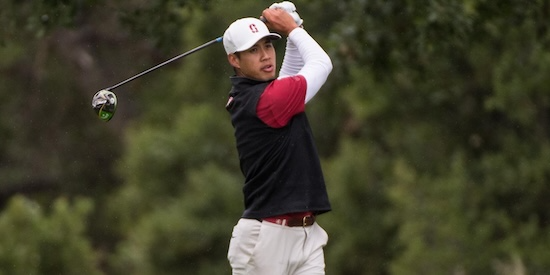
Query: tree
point(34, 242)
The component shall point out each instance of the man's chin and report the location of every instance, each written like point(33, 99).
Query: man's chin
point(266, 77)
point(263, 76)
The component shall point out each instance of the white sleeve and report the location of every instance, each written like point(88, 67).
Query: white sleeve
point(292, 61)
point(316, 64)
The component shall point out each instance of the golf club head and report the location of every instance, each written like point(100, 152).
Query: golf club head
point(104, 103)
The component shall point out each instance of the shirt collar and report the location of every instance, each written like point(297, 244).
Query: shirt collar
point(241, 83)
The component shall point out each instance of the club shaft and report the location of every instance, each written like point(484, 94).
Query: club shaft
point(219, 39)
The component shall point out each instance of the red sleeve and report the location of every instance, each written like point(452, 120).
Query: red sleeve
point(282, 99)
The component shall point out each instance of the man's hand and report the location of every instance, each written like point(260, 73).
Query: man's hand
point(279, 20)
point(290, 8)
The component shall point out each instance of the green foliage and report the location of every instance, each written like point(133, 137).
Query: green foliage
point(159, 20)
point(433, 129)
point(35, 19)
point(360, 231)
point(159, 158)
point(34, 242)
point(437, 233)
point(521, 93)
point(386, 35)
point(188, 233)
point(469, 213)
point(52, 152)
point(430, 100)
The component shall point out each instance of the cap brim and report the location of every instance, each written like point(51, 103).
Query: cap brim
point(273, 36)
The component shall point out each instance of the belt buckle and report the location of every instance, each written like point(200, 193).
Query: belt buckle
point(304, 220)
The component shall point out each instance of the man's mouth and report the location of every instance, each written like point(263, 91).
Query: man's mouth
point(268, 68)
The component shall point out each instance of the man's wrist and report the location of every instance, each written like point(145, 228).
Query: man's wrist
point(290, 30)
point(295, 32)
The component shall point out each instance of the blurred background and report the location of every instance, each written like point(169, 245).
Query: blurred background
point(433, 129)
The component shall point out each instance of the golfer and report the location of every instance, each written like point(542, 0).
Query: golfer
point(284, 189)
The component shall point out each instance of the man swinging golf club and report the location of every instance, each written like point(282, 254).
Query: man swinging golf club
point(284, 188)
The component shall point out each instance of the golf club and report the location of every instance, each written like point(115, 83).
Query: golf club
point(104, 102)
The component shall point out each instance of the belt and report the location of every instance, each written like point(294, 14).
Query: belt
point(293, 219)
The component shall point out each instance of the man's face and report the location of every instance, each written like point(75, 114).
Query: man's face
point(258, 62)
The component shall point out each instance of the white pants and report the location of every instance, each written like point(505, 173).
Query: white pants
point(264, 248)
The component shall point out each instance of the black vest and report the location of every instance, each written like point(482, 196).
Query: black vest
point(281, 165)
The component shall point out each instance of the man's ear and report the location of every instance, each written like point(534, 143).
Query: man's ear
point(234, 61)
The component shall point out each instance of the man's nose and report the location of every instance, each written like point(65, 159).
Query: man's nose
point(264, 53)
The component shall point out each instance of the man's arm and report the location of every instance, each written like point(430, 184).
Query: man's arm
point(286, 97)
point(292, 61)
point(281, 100)
point(316, 62)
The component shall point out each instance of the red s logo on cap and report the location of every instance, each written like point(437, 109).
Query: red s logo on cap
point(253, 28)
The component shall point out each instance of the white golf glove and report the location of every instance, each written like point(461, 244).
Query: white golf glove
point(290, 8)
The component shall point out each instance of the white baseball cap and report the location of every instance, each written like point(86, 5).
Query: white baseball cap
point(244, 33)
